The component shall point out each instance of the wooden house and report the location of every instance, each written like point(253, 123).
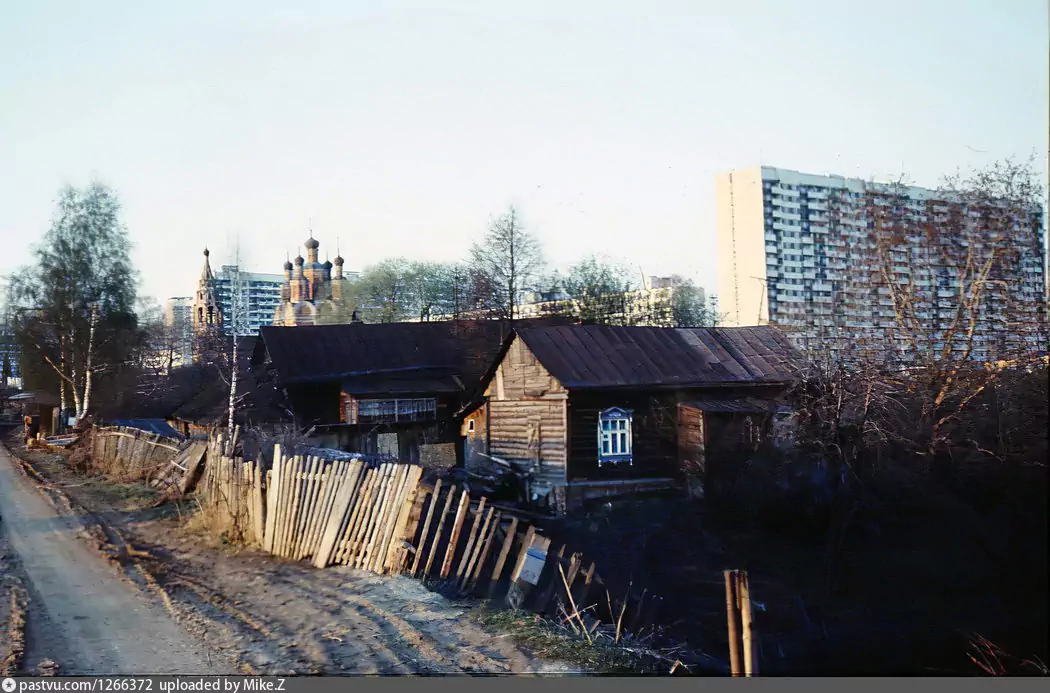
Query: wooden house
point(389, 390)
point(585, 411)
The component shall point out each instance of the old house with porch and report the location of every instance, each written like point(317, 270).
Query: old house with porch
point(585, 411)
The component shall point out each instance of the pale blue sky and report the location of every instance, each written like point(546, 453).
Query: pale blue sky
point(400, 127)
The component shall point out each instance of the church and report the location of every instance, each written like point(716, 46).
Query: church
point(314, 293)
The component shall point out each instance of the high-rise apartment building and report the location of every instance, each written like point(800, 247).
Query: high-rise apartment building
point(178, 317)
point(247, 299)
point(838, 261)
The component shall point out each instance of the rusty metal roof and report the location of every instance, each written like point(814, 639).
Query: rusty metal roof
point(442, 355)
point(603, 356)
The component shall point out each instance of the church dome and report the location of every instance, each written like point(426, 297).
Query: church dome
point(299, 260)
point(327, 265)
point(312, 244)
point(338, 260)
point(287, 264)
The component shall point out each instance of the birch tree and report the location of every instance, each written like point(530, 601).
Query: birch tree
point(73, 306)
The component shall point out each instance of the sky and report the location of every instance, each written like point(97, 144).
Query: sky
point(402, 128)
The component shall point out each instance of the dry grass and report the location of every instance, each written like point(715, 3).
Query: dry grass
point(593, 653)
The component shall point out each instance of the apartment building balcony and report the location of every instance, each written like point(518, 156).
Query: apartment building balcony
point(784, 192)
point(807, 250)
point(790, 204)
point(771, 249)
point(782, 226)
point(817, 228)
point(780, 214)
point(770, 236)
point(809, 275)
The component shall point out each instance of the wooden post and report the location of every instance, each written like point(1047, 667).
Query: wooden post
point(437, 533)
point(468, 550)
point(476, 553)
point(426, 527)
point(508, 543)
point(744, 595)
point(734, 624)
point(485, 549)
point(457, 527)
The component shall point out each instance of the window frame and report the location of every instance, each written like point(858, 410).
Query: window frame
point(620, 438)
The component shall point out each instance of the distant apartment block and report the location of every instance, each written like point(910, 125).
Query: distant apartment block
point(809, 253)
point(178, 317)
point(247, 299)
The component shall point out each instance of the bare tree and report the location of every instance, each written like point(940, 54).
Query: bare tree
point(506, 263)
point(956, 281)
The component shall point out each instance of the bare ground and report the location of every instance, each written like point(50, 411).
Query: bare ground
point(277, 617)
point(93, 622)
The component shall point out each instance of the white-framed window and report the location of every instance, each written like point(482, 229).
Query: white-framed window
point(614, 436)
point(470, 426)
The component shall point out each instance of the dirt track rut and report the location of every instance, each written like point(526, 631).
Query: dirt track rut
point(88, 619)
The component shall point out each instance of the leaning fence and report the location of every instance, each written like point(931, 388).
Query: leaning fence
point(384, 518)
point(381, 517)
point(131, 454)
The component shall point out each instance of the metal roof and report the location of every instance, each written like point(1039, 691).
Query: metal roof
point(444, 355)
point(604, 356)
point(157, 426)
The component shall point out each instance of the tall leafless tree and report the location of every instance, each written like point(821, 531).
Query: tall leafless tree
point(506, 262)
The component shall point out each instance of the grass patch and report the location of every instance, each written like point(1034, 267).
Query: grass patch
point(549, 640)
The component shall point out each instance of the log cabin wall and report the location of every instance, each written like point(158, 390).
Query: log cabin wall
point(526, 417)
point(653, 441)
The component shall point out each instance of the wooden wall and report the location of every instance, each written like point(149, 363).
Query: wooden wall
point(654, 437)
point(526, 415)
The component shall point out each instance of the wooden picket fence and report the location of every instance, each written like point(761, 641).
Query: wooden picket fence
point(131, 454)
point(349, 512)
point(380, 517)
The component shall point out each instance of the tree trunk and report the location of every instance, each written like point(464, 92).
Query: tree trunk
point(233, 384)
point(82, 412)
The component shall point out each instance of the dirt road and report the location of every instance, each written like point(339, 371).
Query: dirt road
point(276, 617)
point(83, 615)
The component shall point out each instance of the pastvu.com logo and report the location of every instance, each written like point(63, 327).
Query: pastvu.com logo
point(8, 685)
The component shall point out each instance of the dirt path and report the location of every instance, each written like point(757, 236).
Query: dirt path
point(88, 619)
point(277, 617)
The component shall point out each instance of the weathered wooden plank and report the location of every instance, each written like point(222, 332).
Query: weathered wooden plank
point(340, 504)
point(291, 504)
point(457, 526)
point(326, 494)
point(361, 508)
point(385, 526)
point(306, 481)
point(375, 508)
point(508, 543)
point(393, 545)
point(484, 543)
point(472, 537)
point(345, 549)
point(280, 464)
point(437, 533)
point(314, 502)
point(434, 497)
